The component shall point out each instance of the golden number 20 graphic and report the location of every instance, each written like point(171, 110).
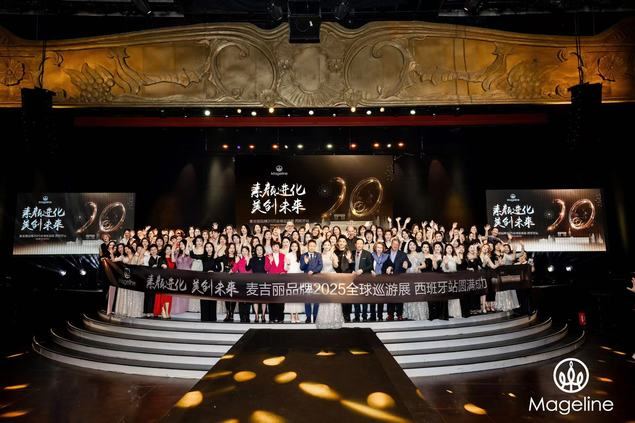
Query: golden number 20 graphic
point(578, 218)
point(360, 205)
point(106, 225)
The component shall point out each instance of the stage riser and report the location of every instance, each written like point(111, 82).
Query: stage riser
point(191, 321)
point(405, 360)
point(186, 349)
point(404, 347)
point(203, 348)
point(394, 336)
point(494, 365)
point(414, 359)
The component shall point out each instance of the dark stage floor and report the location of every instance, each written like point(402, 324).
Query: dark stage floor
point(55, 393)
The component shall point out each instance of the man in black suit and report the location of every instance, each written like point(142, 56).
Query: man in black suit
point(361, 262)
point(397, 263)
point(157, 262)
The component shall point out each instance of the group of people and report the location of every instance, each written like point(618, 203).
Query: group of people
point(368, 248)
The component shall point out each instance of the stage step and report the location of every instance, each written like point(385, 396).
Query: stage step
point(187, 349)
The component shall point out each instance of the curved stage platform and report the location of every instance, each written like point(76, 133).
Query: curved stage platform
point(186, 348)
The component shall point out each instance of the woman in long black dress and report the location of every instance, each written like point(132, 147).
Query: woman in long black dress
point(257, 265)
point(210, 264)
point(227, 261)
point(437, 309)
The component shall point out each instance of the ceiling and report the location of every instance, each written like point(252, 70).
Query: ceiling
point(72, 18)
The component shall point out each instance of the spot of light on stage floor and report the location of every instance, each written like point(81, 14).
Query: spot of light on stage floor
point(230, 421)
point(511, 394)
point(273, 361)
point(449, 391)
point(606, 348)
point(285, 377)
point(227, 357)
point(262, 416)
point(358, 352)
point(325, 353)
point(217, 375)
point(601, 361)
point(604, 379)
point(619, 352)
point(420, 394)
point(319, 390)
point(14, 414)
point(191, 399)
point(16, 387)
point(372, 412)
point(16, 355)
point(474, 409)
point(244, 376)
point(380, 400)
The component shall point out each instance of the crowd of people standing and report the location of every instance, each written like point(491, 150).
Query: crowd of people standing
point(400, 248)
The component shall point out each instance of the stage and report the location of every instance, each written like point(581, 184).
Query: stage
point(186, 348)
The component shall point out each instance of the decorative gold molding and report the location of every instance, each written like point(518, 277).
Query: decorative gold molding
point(380, 64)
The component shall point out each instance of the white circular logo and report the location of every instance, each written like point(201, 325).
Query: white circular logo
point(513, 196)
point(279, 168)
point(45, 198)
point(571, 375)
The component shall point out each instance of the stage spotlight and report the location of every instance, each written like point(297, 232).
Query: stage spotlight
point(207, 112)
point(300, 146)
point(389, 145)
point(62, 272)
point(82, 272)
point(353, 146)
point(271, 110)
point(143, 6)
point(381, 109)
point(251, 146)
point(569, 268)
point(353, 109)
point(286, 147)
point(376, 145)
point(275, 146)
point(253, 113)
point(368, 112)
point(239, 111)
point(334, 114)
point(412, 111)
point(329, 146)
point(342, 9)
point(401, 145)
point(311, 112)
point(550, 268)
point(225, 146)
point(274, 8)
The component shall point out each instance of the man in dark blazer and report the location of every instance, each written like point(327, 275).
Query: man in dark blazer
point(157, 262)
point(311, 262)
point(361, 262)
point(397, 263)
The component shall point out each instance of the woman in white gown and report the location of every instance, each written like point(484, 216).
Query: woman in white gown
point(196, 254)
point(129, 303)
point(292, 265)
point(450, 261)
point(329, 314)
point(507, 300)
point(418, 310)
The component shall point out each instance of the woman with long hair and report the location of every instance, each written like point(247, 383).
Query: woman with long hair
point(292, 265)
point(257, 265)
point(416, 310)
point(240, 266)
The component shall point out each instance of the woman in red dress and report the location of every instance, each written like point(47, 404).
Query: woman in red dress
point(163, 302)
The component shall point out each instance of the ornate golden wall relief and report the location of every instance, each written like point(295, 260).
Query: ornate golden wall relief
point(380, 64)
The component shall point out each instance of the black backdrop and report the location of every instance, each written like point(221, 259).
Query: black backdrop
point(182, 176)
